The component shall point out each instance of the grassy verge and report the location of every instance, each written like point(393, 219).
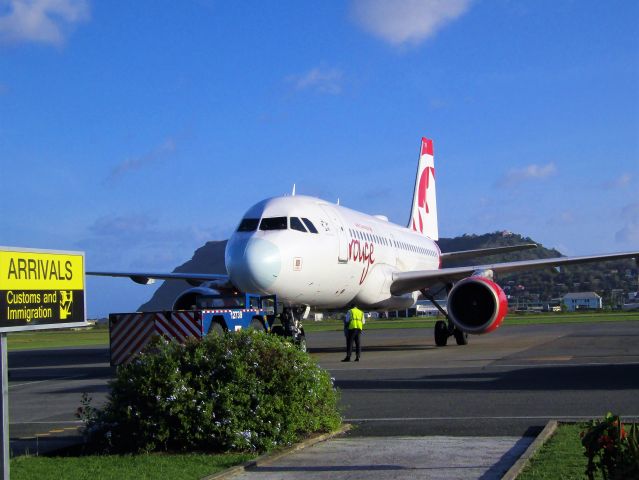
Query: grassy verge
point(331, 324)
point(512, 319)
point(120, 467)
point(560, 457)
point(100, 335)
point(58, 338)
point(549, 318)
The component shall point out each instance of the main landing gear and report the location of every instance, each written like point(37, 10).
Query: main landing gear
point(443, 329)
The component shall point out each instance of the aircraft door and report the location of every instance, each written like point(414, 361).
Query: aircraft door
point(340, 228)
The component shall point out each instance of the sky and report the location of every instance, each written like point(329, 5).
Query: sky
point(138, 131)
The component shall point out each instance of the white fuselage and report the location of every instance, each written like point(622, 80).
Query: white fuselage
point(352, 257)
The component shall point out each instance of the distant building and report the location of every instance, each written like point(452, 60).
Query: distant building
point(582, 301)
point(633, 302)
point(424, 308)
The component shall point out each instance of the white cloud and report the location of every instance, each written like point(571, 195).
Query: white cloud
point(129, 239)
point(137, 163)
point(400, 22)
point(131, 225)
point(43, 21)
point(620, 182)
point(630, 231)
point(516, 176)
point(564, 218)
point(319, 79)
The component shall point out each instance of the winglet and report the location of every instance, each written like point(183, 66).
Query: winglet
point(423, 215)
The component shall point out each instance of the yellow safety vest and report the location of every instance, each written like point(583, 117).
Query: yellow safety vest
point(357, 319)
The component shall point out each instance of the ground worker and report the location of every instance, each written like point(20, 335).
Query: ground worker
point(355, 323)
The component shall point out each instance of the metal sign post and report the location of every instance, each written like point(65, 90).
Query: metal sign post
point(39, 289)
point(4, 406)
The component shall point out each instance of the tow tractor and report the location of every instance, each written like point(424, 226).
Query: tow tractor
point(211, 315)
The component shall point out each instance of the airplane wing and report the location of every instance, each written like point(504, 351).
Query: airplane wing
point(146, 278)
point(406, 282)
point(484, 252)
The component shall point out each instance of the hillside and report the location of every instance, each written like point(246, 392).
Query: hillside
point(209, 258)
point(603, 278)
point(608, 279)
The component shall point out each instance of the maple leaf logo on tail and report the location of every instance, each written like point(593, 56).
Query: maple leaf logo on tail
point(424, 209)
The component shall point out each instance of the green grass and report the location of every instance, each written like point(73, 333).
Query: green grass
point(100, 335)
point(560, 457)
point(331, 324)
point(582, 317)
point(512, 319)
point(120, 467)
point(58, 338)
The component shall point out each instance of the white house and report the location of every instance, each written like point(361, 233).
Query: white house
point(582, 301)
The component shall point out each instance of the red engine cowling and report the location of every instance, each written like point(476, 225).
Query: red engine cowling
point(477, 305)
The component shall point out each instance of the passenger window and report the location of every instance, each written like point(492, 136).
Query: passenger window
point(248, 225)
point(309, 225)
point(274, 223)
point(296, 224)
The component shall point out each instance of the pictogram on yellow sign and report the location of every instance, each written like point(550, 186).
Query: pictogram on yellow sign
point(66, 302)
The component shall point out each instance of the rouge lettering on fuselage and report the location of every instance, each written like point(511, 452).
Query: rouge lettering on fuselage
point(32, 269)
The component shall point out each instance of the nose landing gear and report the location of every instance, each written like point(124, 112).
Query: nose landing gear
point(291, 327)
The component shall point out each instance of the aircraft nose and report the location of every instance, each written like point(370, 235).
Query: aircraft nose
point(255, 267)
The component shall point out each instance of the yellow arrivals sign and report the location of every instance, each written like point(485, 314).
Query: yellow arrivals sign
point(40, 289)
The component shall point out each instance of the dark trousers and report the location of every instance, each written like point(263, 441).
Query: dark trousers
point(353, 336)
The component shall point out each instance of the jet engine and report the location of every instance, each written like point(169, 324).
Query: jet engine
point(477, 305)
point(190, 299)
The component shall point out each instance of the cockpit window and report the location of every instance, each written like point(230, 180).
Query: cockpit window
point(274, 223)
point(296, 224)
point(309, 225)
point(248, 225)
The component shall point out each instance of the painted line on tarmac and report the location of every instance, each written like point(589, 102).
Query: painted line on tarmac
point(51, 432)
point(69, 377)
point(580, 364)
point(52, 422)
point(525, 417)
point(489, 365)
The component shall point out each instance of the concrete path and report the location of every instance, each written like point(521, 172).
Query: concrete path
point(434, 457)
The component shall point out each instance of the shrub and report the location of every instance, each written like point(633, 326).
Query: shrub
point(243, 391)
point(611, 448)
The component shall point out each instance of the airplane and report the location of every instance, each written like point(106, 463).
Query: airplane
point(313, 253)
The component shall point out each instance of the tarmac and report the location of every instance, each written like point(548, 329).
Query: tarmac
point(418, 411)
